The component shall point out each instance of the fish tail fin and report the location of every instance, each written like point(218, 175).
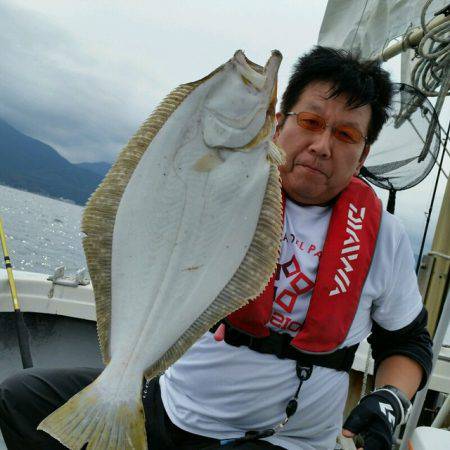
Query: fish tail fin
point(101, 421)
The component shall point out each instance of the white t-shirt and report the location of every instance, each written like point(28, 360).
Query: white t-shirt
point(220, 391)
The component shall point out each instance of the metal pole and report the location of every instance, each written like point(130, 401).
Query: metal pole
point(411, 40)
point(420, 397)
point(443, 414)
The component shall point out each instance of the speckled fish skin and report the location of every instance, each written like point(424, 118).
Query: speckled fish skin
point(183, 230)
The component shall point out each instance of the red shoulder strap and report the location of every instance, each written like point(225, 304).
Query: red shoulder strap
point(343, 268)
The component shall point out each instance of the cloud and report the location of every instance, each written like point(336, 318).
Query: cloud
point(83, 76)
point(48, 93)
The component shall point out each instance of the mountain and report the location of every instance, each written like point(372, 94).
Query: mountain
point(100, 168)
point(29, 164)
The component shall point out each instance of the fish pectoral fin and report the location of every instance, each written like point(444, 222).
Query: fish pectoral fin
point(209, 161)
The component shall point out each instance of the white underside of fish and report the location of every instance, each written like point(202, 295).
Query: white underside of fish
point(179, 235)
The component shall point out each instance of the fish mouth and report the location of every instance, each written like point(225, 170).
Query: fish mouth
point(252, 115)
point(257, 67)
point(261, 78)
point(250, 63)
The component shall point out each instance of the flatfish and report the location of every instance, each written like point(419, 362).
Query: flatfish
point(184, 230)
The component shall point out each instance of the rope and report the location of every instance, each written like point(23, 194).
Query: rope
point(434, 52)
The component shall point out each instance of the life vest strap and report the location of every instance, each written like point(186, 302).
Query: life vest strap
point(278, 344)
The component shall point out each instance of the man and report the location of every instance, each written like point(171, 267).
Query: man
point(274, 374)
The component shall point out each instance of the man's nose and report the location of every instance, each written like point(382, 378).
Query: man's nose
point(321, 144)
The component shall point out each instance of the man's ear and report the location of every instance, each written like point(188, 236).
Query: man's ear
point(280, 120)
point(362, 159)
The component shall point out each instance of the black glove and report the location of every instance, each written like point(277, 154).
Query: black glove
point(377, 415)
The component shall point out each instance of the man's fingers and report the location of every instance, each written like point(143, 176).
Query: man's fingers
point(347, 433)
point(219, 334)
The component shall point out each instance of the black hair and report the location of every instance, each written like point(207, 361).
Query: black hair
point(363, 81)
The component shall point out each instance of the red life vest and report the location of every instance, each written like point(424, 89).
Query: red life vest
point(343, 268)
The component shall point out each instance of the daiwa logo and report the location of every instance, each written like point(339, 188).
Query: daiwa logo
point(349, 250)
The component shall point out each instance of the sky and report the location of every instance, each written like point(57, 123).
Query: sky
point(82, 76)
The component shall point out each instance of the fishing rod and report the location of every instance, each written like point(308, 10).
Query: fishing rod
point(22, 330)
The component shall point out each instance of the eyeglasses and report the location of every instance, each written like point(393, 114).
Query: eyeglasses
point(317, 124)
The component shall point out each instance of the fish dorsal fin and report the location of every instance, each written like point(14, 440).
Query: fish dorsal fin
point(276, 154)
point(101, 210)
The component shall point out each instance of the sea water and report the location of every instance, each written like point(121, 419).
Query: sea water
point(41, 233)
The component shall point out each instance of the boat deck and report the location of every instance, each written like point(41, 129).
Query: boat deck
point(61, 320)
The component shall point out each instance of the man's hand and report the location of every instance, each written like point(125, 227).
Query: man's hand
point(375, 419)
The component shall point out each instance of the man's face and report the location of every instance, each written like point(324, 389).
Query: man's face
point(319, 166)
